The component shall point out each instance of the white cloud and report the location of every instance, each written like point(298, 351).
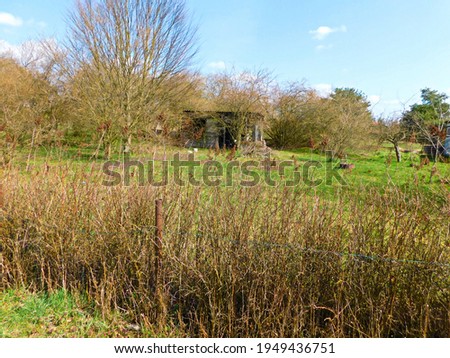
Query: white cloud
point(374, 99)
point(219, 65)
point(387, 108)
point(10, 50)
point(323, 31)
point(323, 89)
point(10, 19)
point(323, 47)
point(29, 53)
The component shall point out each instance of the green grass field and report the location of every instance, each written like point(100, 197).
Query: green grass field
point(375, 167)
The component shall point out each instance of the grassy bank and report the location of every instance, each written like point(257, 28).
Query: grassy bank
point(56, 315)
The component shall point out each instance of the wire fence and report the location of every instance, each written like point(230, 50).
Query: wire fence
point(148, 232)
point(159, 234)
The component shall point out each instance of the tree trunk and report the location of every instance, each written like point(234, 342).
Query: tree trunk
point(398, 155)
point(126, 147)
point(107, 148)
point(434, 167)
point(100, 142)
point(238, 139)
point(30, 153)
point(108, 151)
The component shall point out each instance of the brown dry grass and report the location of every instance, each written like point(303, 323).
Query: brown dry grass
point(256, 262)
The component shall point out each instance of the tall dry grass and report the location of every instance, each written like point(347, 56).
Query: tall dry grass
point(256, 262)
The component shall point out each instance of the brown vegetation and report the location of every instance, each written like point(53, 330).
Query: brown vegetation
point(235, 262)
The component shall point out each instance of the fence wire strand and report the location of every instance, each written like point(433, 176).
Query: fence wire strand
point(149, 233)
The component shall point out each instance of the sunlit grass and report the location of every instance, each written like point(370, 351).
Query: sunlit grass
point(58, 314)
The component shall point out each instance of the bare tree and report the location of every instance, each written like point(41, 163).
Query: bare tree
point(337, 123)
point(348, 123)
point(429, 120)
point(244, 94)
point(26, 107)
point(392, 132)
point(294, 121)
point(120, 55)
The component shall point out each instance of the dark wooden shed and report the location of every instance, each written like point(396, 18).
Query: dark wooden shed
point(209, 129)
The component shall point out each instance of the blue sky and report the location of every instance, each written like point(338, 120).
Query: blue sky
point(388, 49)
